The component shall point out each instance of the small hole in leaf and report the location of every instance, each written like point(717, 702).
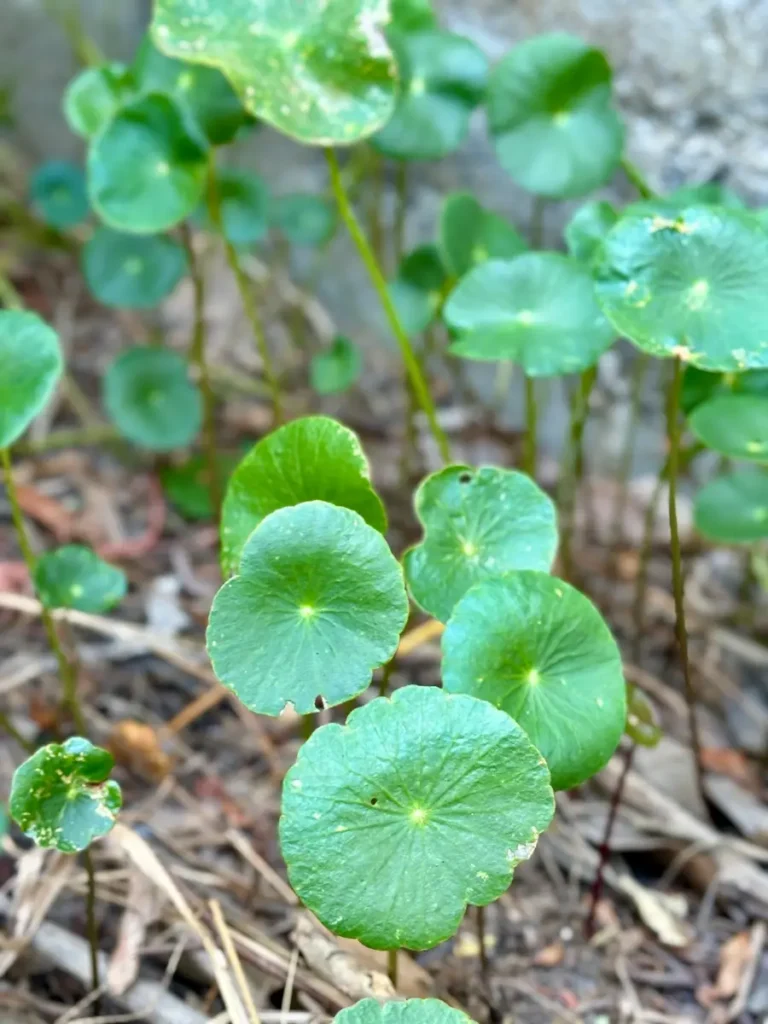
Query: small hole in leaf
point(465, 478)
point(374, 801)
point(319, 702)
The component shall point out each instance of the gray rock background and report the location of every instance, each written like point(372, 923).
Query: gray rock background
point(691, 81)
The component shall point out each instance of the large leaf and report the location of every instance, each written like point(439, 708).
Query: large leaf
point(478, 524)
point(550, 114)
point(63, 797)
point(733, 509)
point(734, 425)
point(151, 400)
point(59, 194)
point(319, 602)
point(417, 291)
point(132, 271)
point(700, 385)
point(537, 310)
point(320, 70)
point(30, 366)
point(690, 285)
point(416, 807)
point(94, 97)
point(585, 231)
point(311, 459)
point(75, 577)
point(146, 170)
point(470, 235)
point(442, 79)
point(539, 650)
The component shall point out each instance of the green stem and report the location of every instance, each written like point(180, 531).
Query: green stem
point(375, 210)
point(9, 297)
point(386, 675)
point(7, 726)
point(245, 289)
point(639, 373)
point(197, 358)
point(574, 465)
point(674, 431)
point(531, 427)
point(392, 967)
point(636, 178)
point(307, 726)
point(483, 952)
point(401, 181)
point(90, 913)
point(85, 49)
point(79, 437)
point(66, 669)
point(412, 366)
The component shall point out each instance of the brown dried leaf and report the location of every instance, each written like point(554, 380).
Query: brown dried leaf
point(137, 746)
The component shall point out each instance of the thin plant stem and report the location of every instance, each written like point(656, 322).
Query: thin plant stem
point(636, 178)
point(674, 430)
point(375, 208)
point(536, 226)
point(66, 668)
point(84, 48)
point(392, 967)
point(78, 437)
point(386, 675)
point(574, 465)
point(197, 357)
point(482, 951)
point(90, 915)
point(410, 359)
point(307, 726)
point(401, 209)
point(245, 289)
point(9, 296)
point(639, 374)
point(531, 428)
point(7, 726)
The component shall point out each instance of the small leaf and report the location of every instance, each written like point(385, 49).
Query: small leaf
point(336, 369)
point(418, 289)
point(733, 509)
point(320, 71)
point(318, 604)
point(413, 15)
point(93, 98)
point(186, 486)
point(146, 171)
point(62, 796)
point(75, 577)
point(537, 310)
point(700, 385)
point(470, 235)
point(690, 285)
point(59, 194)
point(539, 650)
point(244, 199)
point(420, 805)
point(586, 230)
point(311, 459)
point(30, 366)
point(550, 115)
point(442, 79)
point(132, 271)
point(304, 219)
point(734, 425)
point(478, 524)
point(208, 101)
point(412, 1011)
point(151, 400)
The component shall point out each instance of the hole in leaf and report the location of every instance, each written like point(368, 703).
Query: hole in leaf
point(465, 478)
point(374, 801)
point(319, 702)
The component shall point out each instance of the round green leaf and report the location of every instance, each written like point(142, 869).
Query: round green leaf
point(186, 486)
point(30, 366)
point(146, 170)
point(734, 425)
point(442, 79)
point(478, 524)
point(690, 285)
point(244, 199)
point(586, 230)
point(59, 194)
point(336, 369)
point(93, 98)
point(539, 650)
point(311, 459)
point(420, 805)
point(132, 271)
point(320, 71)
point(75, 577)
point(733, 509)
point(151, 400)
point(304, 219)
point(537, 310)
point(417, 291)
point(412, 15)
point(470, 235)
point(550, 115)
point(62, 796)
point(700, 385)
point(208, 101)
point(319, 602)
